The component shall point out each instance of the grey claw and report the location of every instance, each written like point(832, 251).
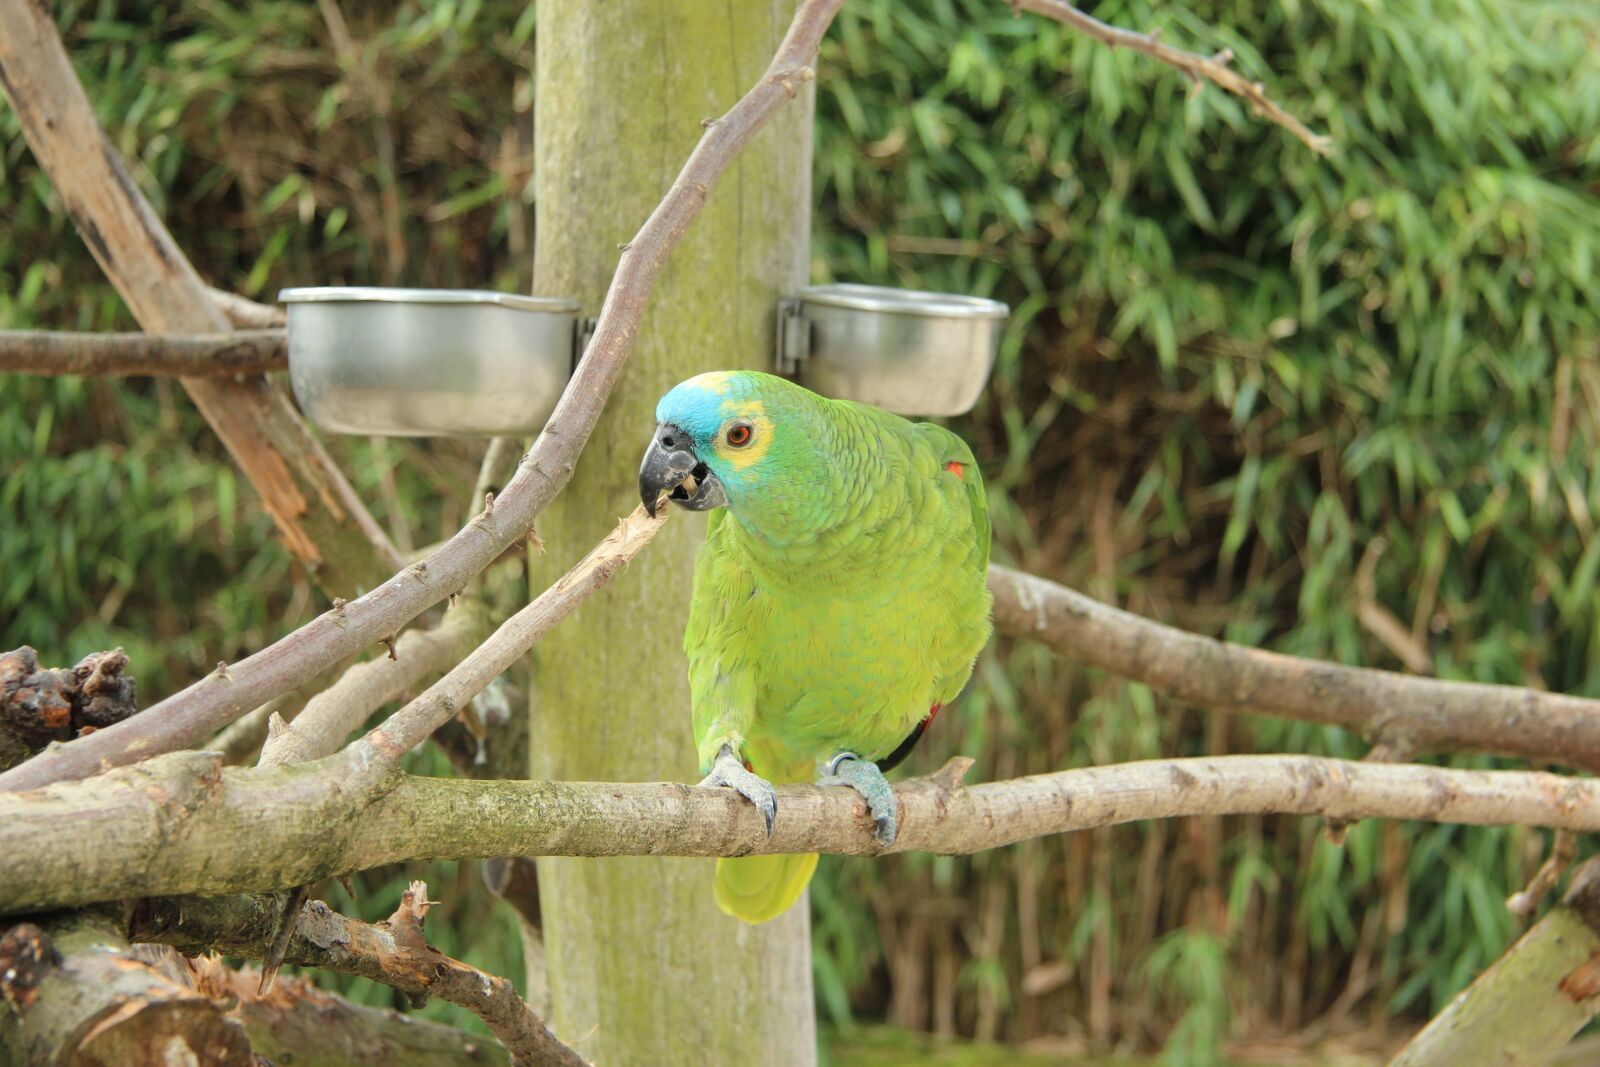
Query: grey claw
point(865, 778)
point(729, 771)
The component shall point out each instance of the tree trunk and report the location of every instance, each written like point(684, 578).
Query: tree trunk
point(643, 968)
point(1522, 1011)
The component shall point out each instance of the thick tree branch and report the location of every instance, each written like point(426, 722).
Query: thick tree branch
point(1194, 66)
point(184, 824)
point(122, 354)
point(1418, 714)
point(1525, 1008)
point(393, 952)
point(195, 714)
point(321, 519)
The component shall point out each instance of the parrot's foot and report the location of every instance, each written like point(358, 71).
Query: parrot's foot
point(729, 771)
point(865, 778)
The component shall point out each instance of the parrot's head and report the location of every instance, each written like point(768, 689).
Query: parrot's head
point(751, 442)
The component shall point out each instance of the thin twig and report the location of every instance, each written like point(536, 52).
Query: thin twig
point(1214, 69)
point(330, 716)
point(1419, 715)
point(193, 715)
point(412, 724)
point(496, 458)
point(52, 352)
point(184, 824)
point(393, 952)
point(1562, 850)
point(246, 314)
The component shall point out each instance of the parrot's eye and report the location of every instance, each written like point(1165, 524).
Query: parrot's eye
point(739, 435)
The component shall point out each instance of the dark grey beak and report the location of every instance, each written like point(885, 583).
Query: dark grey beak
point(667, 462)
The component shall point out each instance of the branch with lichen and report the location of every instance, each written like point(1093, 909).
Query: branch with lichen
point(183, 823)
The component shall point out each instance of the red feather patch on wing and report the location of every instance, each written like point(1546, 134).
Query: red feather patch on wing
point(954, 468)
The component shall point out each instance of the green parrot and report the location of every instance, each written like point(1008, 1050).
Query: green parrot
point(839, 600)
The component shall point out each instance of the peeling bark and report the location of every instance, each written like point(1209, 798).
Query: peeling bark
point(317, 512)
point(393, 952)
point(76, 994)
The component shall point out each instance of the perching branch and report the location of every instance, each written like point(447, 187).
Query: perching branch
point(123, 354)
point(1194, 66)
point(189, 717)
point(394, 953)
point(1420, 715)
point(184, 824)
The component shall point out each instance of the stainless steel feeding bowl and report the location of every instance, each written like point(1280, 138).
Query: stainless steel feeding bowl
point(428, 362)
point(911, 352)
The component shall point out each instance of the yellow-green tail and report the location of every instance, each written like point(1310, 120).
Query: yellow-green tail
point(758, 888)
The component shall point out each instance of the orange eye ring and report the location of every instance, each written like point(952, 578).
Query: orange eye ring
point(739, 435)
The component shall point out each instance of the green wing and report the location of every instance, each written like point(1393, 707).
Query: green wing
point(952, 449)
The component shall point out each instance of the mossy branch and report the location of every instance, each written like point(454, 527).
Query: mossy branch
point(184, 824)
point(1536, 997)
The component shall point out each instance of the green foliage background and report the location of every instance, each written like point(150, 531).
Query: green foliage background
point(1245, 390)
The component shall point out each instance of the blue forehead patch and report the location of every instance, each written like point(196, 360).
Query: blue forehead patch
point(697, 405)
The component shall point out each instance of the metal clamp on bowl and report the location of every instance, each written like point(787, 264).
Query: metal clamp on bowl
point(912, 352)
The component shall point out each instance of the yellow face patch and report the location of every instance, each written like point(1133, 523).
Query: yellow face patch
point(716, 381)
point(754, 413)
